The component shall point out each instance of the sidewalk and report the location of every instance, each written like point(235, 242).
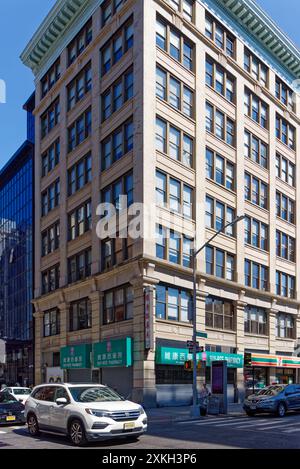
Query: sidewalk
point(175, 414)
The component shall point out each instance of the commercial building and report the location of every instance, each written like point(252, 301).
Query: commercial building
point(189, 108)
point(16, 262)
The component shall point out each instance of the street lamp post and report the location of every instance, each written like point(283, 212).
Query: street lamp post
point(195, 409)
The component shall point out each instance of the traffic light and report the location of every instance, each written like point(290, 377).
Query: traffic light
point(247, 359)
point(199, 365)
point(188, 365)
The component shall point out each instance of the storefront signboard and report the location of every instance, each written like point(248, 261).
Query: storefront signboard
point(113, 353)
point(175, 356)
point(275, 361)
point(76, 357)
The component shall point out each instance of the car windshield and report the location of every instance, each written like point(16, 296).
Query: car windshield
point(270, 391)
point(94, 394)
point(6, 398)
point(21, 391)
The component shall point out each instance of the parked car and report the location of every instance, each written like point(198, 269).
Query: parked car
point(276, 399)
point(11, 410)
point(19, 393)
point(84, 412)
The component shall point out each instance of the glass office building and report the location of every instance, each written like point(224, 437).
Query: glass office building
point(16, 260)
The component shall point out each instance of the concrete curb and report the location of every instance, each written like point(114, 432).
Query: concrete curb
point(170, 419)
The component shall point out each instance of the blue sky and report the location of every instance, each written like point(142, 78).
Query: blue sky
point(18, 21)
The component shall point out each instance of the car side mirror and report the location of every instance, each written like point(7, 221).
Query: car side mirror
point(61, 401)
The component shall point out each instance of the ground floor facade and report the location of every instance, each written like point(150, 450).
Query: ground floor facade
point(134, 338)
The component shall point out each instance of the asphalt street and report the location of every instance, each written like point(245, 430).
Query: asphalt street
point(240, 432)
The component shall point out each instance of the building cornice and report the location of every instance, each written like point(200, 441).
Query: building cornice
point(53, 28)
point(256, 22)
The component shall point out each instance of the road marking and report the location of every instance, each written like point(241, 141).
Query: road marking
point(2, 433)
point(283, 425)
point(207, 421)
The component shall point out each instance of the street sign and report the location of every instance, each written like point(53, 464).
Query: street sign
point(190, 344)
point(203, 335)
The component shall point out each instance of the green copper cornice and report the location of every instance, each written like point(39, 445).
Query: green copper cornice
point(253, 19)
point(53, 28)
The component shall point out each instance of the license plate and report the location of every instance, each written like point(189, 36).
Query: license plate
point(253, 407)
point(129, 425)
point(10, 418)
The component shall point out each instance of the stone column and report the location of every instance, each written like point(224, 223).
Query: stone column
point(96, 298)
point(64, 307)
point(272, 339)
point(200, 321)
point(240, 305)
point(38, 320)
point(144, 385)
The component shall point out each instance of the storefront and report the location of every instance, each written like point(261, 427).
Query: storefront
point(76, 360)
point(270, 369)
point(114, 358)
point(174, 383)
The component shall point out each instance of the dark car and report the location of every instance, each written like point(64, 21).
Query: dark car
point(11, 410)
point(276, 399)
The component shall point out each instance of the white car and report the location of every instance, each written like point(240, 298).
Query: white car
point(84, 412)
point(21, 394)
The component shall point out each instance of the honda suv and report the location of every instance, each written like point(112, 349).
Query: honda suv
point(84, 412)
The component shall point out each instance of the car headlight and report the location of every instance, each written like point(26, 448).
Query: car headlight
point(97, 413)
point(142, 411)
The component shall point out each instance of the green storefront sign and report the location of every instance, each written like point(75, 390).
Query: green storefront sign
point(115, 352)
point(174, 356)
point(76, 356)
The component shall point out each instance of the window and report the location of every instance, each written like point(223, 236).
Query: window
point(256, 321)
point(256, 149)
point(256, 275)
point(218, 214)
point(175, 44)
point(285, 207)
point(80, 174)
point(174, 92)
point(220, 36)
point(184, 7)
point(256, 191)
point(117, 144)
point(256, 109)
point(285, 94)
point(175, 195)
point(256, 68)
point(50, 198)
point(285, 246)
point(285, 170)
point(285, 326)
point(117, 46)
point(219, 314)
point(256, 233)
point(80, 130)
point(115, 250)
point(119, 92)
point(115, 193)
point(50, 280)
point(174, 142)
point(80, 221)
point(51, 77)
point(285, 285)
point(80, 42)
point(79, 266)
point(50, 239)
point(110, 8)
point(220, 263)
point(220, 170)
point(50, 118)
point(50, 158)
point(220, 124)
point(173, 246)
point(80, 315)
point(51, 323)
point(285, 132)
point(219, 79)
point(173, 304)
point(80, 86)
point(118, 305)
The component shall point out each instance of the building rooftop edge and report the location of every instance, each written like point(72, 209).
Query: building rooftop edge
point(247, 13)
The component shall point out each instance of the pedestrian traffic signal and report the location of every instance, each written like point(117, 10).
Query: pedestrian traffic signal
point(188, 365)
point(247, 359)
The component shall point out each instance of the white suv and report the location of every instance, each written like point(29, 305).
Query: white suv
point(84, 412)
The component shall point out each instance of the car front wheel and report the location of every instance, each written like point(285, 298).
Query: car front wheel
point(281, 410)
point(77, 433)
point(33, 426)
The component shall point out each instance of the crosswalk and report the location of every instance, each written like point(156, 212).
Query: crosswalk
point(287, 425)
